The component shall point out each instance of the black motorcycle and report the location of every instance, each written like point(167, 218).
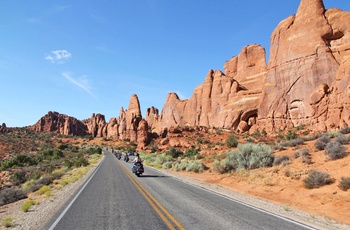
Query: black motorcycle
point(119, 156)
point(138, 169)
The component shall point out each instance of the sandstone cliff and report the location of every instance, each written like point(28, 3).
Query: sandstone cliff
point(308, 71)
point(306, 80)
point(227, 100)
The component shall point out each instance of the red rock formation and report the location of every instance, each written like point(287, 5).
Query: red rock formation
point(223, 100)
point(309, 54)
point(3, 128)
point(59, 123)
point(96, 125)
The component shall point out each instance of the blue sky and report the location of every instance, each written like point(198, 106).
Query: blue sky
point(79, 57)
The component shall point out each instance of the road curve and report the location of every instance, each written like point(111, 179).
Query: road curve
point(113, 198)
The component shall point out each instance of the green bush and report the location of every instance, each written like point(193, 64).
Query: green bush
point(232, 141)
point(181, 166)
point(27, 205)
point(7, 222)
point(316, 179)
point(291, 135)
point(334, 150)
point(191, 153)
point(167, 165)
point(44, 190)
point(223, 166)
point(19, 177)
point(344, 183)
point(19, 160)
point(252, 156)
point(195, 166)
point(174, 153)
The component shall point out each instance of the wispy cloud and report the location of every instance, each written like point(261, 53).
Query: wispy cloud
point(43, 16)
point(58, 56)
point(82, 82)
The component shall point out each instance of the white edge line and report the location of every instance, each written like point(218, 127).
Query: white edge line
point(76, 196)
point(242, 203)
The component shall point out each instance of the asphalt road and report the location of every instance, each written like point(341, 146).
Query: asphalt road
point(114, 198)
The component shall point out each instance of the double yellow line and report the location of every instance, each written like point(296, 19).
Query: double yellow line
point(168, 219)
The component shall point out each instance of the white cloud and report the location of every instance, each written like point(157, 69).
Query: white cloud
point(58, 56)
point(82, 82)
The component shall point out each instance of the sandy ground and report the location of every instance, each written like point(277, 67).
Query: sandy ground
point(283, 185)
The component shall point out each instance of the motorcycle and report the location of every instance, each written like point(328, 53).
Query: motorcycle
point(119, 156)
point(126, 158)
point(138, 169)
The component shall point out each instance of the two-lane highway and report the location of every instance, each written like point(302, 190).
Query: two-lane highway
point(115, 199)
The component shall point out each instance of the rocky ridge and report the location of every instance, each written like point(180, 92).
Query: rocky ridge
point(306, 82)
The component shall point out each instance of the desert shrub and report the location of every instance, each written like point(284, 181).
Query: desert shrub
point(195, 166)
point(223, 166)
point(62, 146)
point(344, 183)
point(173, 152)
point(321, 142)
point(342, 139)
point(10, 195)
point(281, 160)
point(232, 141)
point(345, 130)
point(316, 179)
point(19, 177)
point(291, 135)
point(44, 190)
point(292, 142)
point(332, 133)
point(19, 160)
point(27, 205)
point(304, 154)
point(7, 222)
point(181, 166)
point(191, 153)
point(50, 154)
point(301, 152)
point(334, 150)
point(252, 156)
point(34, 174)
point(167, 165)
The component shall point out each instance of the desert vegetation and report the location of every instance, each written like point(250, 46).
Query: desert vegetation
point(36, 161)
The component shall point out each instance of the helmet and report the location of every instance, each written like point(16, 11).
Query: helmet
point(137, 154)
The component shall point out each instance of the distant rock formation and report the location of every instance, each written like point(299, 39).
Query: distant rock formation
point(3, 128)
point(60, 123)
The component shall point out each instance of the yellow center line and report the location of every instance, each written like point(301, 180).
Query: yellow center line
point(155, 204)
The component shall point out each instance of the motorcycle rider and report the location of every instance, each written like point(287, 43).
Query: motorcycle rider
point(137, 161)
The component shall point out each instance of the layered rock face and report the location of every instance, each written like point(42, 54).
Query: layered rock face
point(308, 70)
point(60, 123)
point(227, 101)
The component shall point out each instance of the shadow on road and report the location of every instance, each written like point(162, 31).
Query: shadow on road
point(152, 176)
